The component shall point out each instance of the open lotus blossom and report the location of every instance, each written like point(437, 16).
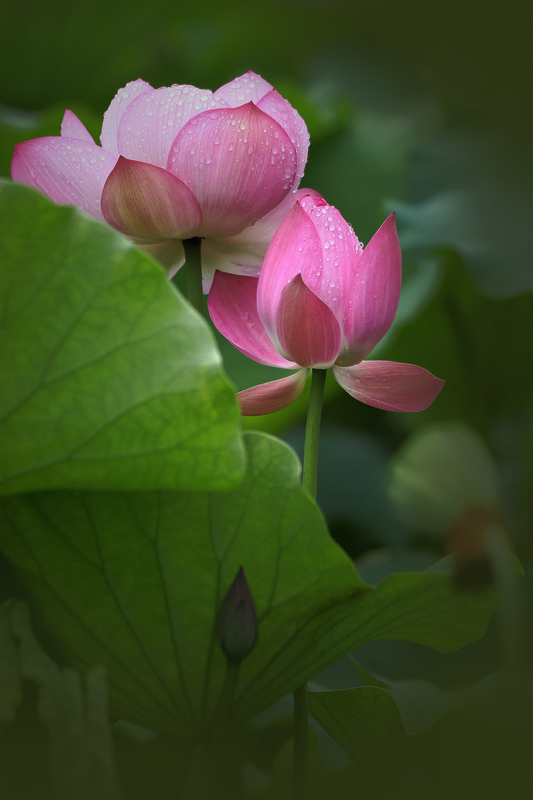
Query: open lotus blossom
point(321, 301)
point(179, 162)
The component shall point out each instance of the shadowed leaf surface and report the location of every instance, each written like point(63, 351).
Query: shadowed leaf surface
point(135, 580)
point(364, 720)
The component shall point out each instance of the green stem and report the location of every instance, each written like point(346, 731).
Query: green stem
point(192, 789)
point(222, 719)
point(209, 764)
point(310, 468)
point(301, 735)
point(312, 431)
point(193, 267)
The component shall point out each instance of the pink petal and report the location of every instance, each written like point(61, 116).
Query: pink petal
point(269, 397)
point(149, 203)
point(307, 329)
point(73, 128)
point(68, 171)
point(296, 247)
point(341, 251)
point(169, 254)
point(265, 228)
point(244, 253)
point(292, 123)
point(372, 298)
point(238, 163)
point(244, 89)
point(390, 386)
point(152, 121)
point(233, 309)
point(118, 106)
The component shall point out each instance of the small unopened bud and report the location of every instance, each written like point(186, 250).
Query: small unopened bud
point(237, 621)
point(467, 542)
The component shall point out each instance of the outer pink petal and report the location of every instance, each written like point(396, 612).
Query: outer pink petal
point(244, 89)
point(269, 397)
point(244, 253)
point(152, 121)
point(233, 309)
point(372, 298)
point(68, 171)
point(73, 128)
point(390, 386)
point(149, 203)
point(238, 163)
point(307, 329)
point(113, 115)
point(281, 110)
point(341, 251)
point(294, 248)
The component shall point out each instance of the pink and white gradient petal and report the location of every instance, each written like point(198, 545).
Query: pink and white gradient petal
point(295, 247)
point(308, 331)
point(244, 89)
point(73, 128)
point(169, 254)
point(374, 292)
point(114, 113)
point(151, 122)
point(68, 171)
point(149, 203)
point(341, 251)
point(273, 396)
point(281, 110)
point(244, 253)
point(213, 261)
point(238, 163)
point(233, 309)
point(389, 385)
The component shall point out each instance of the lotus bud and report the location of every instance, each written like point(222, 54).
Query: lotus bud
point(236, 628)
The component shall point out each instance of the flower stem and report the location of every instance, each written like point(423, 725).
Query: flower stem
point(193, 266)
point(312, 431)
point(193, 789)
point(301, 734)
point(312, 435)
point(208, 770)
point(222, 719)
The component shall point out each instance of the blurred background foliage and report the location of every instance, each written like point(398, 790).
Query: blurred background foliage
point(417, 107)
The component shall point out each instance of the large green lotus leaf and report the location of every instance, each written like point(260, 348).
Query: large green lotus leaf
point(109, 379)
point(134, 580)
point(364, 721)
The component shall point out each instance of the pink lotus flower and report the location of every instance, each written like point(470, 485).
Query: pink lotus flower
point(181, 162)
point(321, 301)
